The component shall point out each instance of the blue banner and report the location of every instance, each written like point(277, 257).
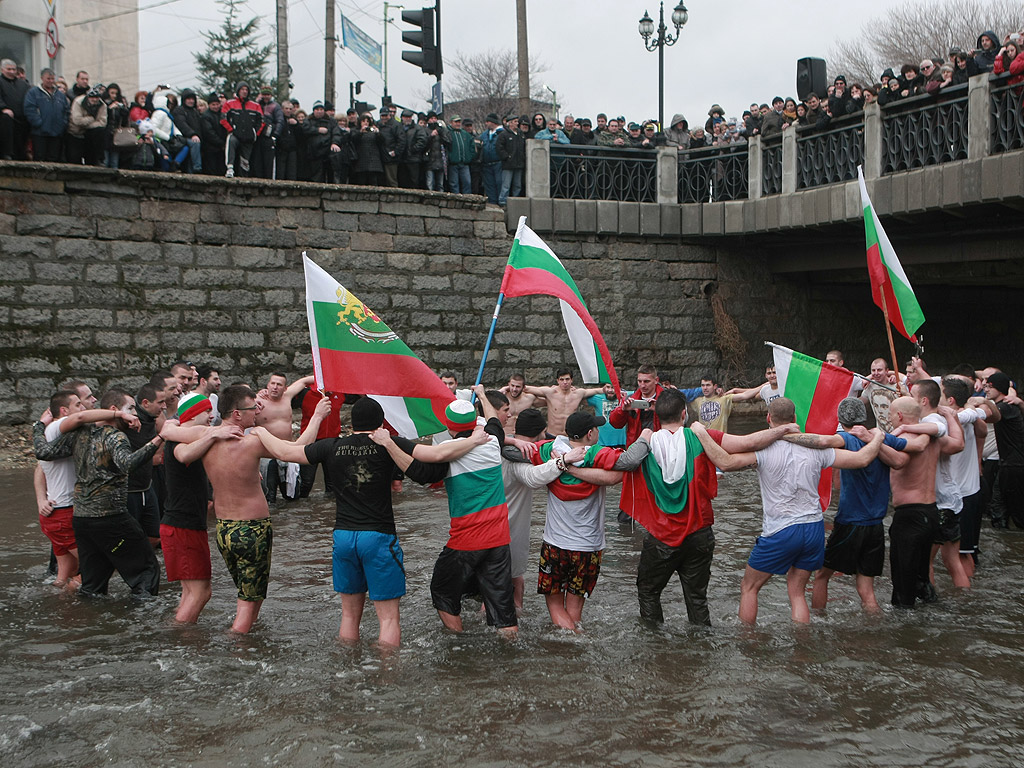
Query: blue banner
point(360, 43)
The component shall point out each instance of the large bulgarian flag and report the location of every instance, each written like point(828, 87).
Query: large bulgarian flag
point(816, 389)
point(533, 269)
point(354, 351)
point(888, 279)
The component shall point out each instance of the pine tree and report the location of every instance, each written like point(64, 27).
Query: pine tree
point(233, 54)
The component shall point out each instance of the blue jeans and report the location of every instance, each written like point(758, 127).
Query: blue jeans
point(435, 180)
point(459, 180)
point(195, 156)
point(492, 180)
point(511, 183)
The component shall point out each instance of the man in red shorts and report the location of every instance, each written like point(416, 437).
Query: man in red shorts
point(183, 531)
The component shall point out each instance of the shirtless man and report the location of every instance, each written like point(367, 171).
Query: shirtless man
point(915, 519)
point(275, 416)
point(244, 532)
point(563, 399)
point(767, 392)
point(518, 400)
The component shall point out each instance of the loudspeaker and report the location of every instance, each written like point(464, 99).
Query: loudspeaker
point(811, 76)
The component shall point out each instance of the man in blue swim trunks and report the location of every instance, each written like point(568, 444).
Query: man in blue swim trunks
point(792, 539)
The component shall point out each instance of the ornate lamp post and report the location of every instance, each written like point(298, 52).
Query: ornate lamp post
point(679, 18)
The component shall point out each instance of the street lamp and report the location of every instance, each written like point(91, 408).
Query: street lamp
point(554, 99)
point(679, 18)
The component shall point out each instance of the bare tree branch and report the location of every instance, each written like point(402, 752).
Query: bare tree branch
point(488, 82)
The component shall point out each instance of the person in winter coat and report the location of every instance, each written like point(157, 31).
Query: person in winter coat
point(412, 144)
point(117, 117)
point(139, 110)
point(715, 115)
point(584, 135)
point(391, 137)
point(187, 121)
point(13, 125)
point(322, 139)
point(678, 133)
point(436, 156)
point(986, 51)
point(964, 66)
point(1010, 60)
point(47, 110)
point(552, 133)
point(87, 128)
point(243, 120)
point(839, 99)
point(912, 81)
point(511, 146)
point(213, 137)
point(273, 125)
point(772, 123)
point(369, 143)
point(538, 124)
point(463, 152)
point(286, 147)
point(164, 129)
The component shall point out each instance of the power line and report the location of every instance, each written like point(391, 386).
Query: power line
point(121, 13)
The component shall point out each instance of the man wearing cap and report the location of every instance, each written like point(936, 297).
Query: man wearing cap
point(87, 128)
point(792, 541)
point(391, 138)
point(773, 122)
point(183, 535)
point(213, 137)
point(1010, 441)
point(490, 159)
point(583, 135)
point(412, 144)
point(273, 127)
point(612, 136)
point(436, 154)
point(462, 153)
point(323, 139)
point(512, 151)
point(856, 545)
point(243, 120)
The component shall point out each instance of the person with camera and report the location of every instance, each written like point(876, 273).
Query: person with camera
point(369, 143)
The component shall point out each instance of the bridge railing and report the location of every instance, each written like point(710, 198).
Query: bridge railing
point(971, 121)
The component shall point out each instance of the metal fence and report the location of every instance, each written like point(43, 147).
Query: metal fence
point(771, 166)
point(831, 156)
point(713, 174)
point(921, 131)
point(603, 173)
point(1007, 116)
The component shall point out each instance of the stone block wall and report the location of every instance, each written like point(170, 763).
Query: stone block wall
point(109, 275)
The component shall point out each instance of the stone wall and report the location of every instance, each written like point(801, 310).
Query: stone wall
point(107, 276)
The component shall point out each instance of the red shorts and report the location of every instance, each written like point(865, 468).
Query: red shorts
point(186, 553)
point(58, 530)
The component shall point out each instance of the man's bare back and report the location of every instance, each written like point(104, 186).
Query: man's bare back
point(233, 468)
point(915, 483)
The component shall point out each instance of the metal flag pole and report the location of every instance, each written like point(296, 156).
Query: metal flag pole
point(487, 346)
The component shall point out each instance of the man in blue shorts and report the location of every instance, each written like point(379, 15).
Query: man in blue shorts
point(792, 539)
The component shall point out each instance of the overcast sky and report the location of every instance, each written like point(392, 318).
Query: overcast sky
point(731, 52)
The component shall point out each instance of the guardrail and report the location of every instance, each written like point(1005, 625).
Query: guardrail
point(922, 131)
point(830, 156)
point(1007, 116)
point(603, 173)
point(713, 174)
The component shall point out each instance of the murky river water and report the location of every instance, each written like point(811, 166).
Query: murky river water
point(110, 682)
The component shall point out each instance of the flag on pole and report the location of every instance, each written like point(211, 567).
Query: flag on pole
point(886, 272)
point(816, 389)
point(533, 269)
point(354, 351)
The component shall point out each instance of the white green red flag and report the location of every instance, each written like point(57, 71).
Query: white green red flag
point(354, 351)
point(533, 269)
point(816, 389)
point(887, 276)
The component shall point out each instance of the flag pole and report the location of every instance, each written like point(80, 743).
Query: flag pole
point(487, 346)
point(892, 346)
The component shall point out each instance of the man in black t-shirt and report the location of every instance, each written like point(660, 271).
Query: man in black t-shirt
point(367, 556)
point(186, 543)
point(1010, 440)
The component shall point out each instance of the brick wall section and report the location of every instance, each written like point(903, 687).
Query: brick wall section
point(107, 276)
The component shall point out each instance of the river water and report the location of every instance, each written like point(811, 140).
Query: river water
point(112, 682)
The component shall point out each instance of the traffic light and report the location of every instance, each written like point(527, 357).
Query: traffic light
point(428, 58)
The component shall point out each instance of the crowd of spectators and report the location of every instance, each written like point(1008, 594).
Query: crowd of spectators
point(248, 133)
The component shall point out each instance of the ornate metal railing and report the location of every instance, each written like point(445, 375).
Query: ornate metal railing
point(831, 156)
point(771, 166)
point(603, 173)
point(915, 134)
point(713, 174)
point(1007, 115)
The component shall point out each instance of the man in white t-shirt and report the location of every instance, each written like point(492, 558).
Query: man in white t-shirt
point(792, 539)
point(55, 496)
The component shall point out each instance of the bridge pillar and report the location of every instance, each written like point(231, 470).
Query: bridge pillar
point(667, 170)
point(873, 150)
point(538, 168)
point(979, 117)
point(789, 162)
point(754, 168)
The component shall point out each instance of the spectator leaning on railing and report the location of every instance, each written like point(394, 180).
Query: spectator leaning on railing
point(1010, 59)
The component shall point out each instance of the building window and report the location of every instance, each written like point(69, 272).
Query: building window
point(16, 44)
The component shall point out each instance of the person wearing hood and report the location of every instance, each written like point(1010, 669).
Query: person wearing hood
point(213, 136)
point(243, 120)
point(986, 51)
point(678, 133)
point(189, 124)
point(87, 128)
point(715, 115)
point(47, 110)
point(273, 127)
point(890, 90)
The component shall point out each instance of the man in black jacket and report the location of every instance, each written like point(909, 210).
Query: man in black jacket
point(273, 125)
point(13, 124)
point(512, 151)
point(390, 131)
point(187, 121)
point(412, 144)
point(287, 145)
point(212, 137)
point(321, 140)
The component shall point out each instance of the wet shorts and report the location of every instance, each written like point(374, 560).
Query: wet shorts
point(970, 523)
point(567, 570)
point(486, 571)
point(856, 549)
point(949, 527)
point(246, 546)
point(797, 546)
point(368, 561)
point(186, 553)
point(57, 527)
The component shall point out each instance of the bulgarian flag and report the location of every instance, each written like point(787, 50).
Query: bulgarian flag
point(533, 269)
point(354, 351)
point(816, 389)
point(889, 285)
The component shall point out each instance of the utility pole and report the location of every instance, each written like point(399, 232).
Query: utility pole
point(387, 20)
point(283, 70)
point(524, 59)
point(329, 43)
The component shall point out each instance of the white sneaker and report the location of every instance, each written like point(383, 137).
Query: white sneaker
point(230, 174)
